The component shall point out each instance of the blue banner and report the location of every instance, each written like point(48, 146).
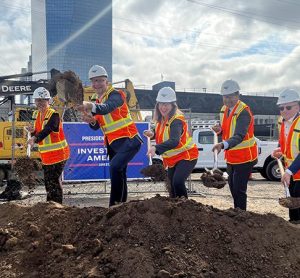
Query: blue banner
point(89, 161)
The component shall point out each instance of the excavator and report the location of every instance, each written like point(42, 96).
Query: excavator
point(13, 136)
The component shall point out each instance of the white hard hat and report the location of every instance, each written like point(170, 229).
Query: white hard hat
point(96, 71)
point(166, 94)
point(229, 87)
point(288, 95)
point(41, 93)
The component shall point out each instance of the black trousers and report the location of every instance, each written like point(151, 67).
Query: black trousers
point(238, 180)
point(118, 166)
point(53, 182)
point(178, 175)
point(295, 192)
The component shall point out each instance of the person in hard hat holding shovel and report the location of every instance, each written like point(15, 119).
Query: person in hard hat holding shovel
point(121, 137)
point(53, 148)
point(289, 144)
point(237, 129)
point(173, 141)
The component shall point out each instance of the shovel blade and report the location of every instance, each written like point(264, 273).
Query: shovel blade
point(290, 202)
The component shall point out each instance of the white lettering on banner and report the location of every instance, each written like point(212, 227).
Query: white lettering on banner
point(91, 151)
point(97, 158)
point(104, 164)
point(92, 138)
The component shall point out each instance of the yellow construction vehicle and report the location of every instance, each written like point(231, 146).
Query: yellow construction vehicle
point(13, 137)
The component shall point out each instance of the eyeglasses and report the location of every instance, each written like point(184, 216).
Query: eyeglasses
point(288, 107)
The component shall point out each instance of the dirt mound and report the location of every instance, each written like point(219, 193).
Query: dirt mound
point(158, 237)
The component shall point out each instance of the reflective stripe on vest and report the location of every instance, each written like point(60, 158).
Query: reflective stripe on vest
point(246, 151)
point(47, 140)
point(53, 147)
point(118, 123)
point(290, 146)
point(113, 126)
point(186, 141)
point(240, 107)
point(188, 145)
point(245, 144)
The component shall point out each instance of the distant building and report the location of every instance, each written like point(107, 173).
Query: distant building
point(71, 35)
point(158, 86)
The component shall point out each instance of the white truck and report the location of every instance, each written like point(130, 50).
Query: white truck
point(204, 139)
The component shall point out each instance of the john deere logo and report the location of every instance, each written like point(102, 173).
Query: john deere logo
point(164, 95)
point(225, 87)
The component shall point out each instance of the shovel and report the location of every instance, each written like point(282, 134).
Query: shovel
point(148, 147)
point(288, 201)
point(214, 177)
point(28, 152)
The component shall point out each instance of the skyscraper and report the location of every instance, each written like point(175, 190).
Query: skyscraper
point(71, 35)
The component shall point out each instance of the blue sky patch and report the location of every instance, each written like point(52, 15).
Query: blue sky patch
point(270, 47)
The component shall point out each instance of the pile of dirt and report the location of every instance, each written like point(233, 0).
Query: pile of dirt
point(159, 237)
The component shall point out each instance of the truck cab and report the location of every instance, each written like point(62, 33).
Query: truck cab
point(266, 165)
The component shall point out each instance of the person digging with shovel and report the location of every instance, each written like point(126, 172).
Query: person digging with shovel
point(121, 137)
point(237, 129)
point(53, 148)
point(289, 146)
point(173, 141)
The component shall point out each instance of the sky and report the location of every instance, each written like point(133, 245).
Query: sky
point(196, 43)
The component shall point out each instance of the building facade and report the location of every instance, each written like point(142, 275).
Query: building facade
point(71, 35)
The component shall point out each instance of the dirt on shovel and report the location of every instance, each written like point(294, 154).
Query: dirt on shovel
point(213, 179)
point(157, 173)
point(26, 169)
point(290, 202)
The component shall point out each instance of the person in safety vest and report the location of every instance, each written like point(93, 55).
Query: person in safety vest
point(289, 143)
point(52, 145)
point(173, 141)
point(112, 115)
point(237, 129)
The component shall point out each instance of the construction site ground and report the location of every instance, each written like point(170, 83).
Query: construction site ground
point(263, 195)
point(149, 236)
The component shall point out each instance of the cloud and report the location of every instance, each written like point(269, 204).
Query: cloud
point(15, 29)
point(188, 42)
point(196, 43)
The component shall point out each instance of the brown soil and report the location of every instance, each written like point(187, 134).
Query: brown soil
point(26, 169)
point(213, 179)
point(158, 237)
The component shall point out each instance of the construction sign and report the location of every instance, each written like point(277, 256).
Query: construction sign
point(89, 161)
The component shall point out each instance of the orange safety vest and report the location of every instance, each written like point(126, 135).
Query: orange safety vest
point(246, 151)
point(118, 123)
point(290, 145)
point(54, 148)
point(186, 149)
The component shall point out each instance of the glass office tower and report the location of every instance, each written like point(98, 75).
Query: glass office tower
point(71, 35)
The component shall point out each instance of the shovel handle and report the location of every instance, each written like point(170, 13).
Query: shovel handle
point(149, 146)
point(28, 151)
point(281, 168)
point(215, 151)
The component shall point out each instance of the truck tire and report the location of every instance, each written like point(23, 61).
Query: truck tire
point(272, 171)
